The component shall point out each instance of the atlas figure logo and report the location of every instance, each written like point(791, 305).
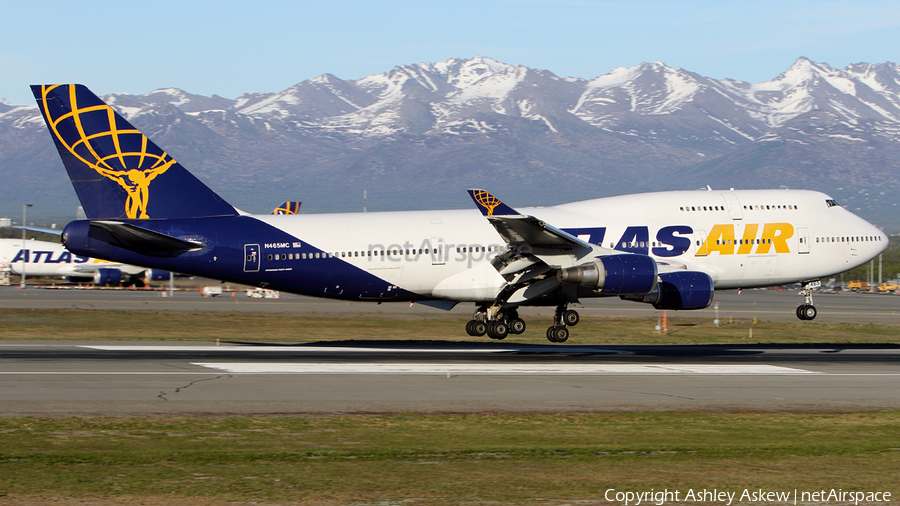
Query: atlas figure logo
point(120, 152)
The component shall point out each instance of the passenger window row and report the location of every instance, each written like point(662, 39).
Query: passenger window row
point(351, 254)
point(865, 238)
point(748, 207)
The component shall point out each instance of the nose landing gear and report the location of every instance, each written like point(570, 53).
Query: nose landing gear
point(807, 311)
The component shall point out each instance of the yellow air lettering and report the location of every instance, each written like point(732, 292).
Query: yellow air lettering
point(748, 238)
point(721, 239)
point(775, 234)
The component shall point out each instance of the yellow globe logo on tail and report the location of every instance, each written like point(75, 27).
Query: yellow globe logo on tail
point(486, 200)
point(122, 155)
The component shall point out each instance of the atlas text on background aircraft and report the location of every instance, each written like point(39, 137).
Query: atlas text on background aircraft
point(51, 259)
point(669, 249)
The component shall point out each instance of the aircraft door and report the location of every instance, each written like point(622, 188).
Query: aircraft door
point(734, 206)
point(700, 243)
point(251, 258)
point(803, 235)
point(437, 251)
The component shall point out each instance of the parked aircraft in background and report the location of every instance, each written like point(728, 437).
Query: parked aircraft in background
point(668, 249)
point(288, 208)
point(51, 259)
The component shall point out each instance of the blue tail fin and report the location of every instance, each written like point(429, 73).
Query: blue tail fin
point(117, 172)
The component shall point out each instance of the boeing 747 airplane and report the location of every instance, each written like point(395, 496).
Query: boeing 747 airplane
point(668, 249)
point(51, 259)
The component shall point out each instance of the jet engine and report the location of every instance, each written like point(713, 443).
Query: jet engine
point(679, 290)
point(614, 274)
point(156, 275)
point(107, 277)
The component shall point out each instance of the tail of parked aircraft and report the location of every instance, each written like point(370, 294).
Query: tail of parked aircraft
point(117, 172)
point(288, 207)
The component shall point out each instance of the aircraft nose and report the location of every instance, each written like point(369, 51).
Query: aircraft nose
point(882, 238)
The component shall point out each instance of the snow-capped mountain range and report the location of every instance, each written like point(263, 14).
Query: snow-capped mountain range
point(420, 134)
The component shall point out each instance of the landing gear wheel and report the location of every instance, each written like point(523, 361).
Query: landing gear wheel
point(557, 334)
point(571, 318)
point(497, 330)
point(561, 334)
point(551, 334)
point(807, 312)
point(476, 328)
point(516, 326)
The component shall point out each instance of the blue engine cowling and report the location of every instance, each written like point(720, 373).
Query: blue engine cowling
point(106, 276)
point(678, 290)
point(614, 274)
point(629, 274)
point(684, 290)
point(156, 275)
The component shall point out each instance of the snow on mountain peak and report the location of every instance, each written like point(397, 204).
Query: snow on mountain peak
point(172, 96)
point(455, 95)
point(651, 88)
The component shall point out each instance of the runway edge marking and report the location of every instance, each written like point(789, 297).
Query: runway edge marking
point(500, 369)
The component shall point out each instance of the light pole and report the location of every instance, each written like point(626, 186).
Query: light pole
point(24, 258)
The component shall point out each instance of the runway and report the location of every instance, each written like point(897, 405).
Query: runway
point(166, 379)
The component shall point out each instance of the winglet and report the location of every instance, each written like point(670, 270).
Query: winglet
point(490, 205)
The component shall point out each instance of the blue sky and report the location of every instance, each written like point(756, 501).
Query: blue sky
point(228, 47)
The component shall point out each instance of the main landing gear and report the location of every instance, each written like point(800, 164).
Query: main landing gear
point(497, 324)
point(807, 311)
point(562, 320)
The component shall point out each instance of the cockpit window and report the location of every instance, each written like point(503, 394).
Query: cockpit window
point(832, 203)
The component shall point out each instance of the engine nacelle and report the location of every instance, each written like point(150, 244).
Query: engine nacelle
point(679, 290)
point(156, 275)
point(107, 277)
point(614, 274)
point(685, 290)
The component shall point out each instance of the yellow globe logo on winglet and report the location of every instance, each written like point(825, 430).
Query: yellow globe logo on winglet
point(486, 200)
point(133, 168)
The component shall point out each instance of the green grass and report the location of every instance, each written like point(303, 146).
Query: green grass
point(86, 324)
point(446, 459)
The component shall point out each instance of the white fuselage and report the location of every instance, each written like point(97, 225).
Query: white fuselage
point(742, 238)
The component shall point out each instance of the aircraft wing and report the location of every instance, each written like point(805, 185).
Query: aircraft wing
point(528, 232)
point(536, 249)
point(91, 268)
point(539, 253)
